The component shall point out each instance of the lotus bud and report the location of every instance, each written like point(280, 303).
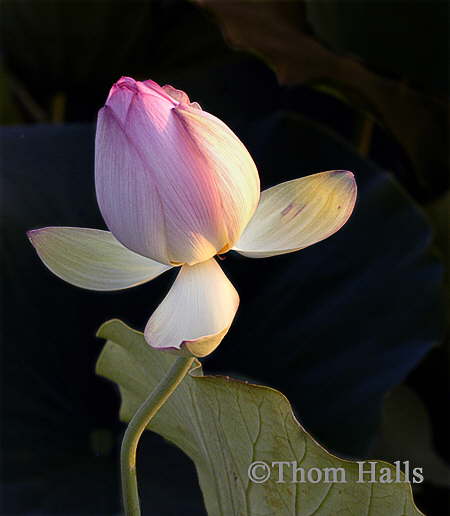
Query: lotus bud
point(173, 182)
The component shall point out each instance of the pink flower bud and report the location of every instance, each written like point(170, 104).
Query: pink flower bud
point(173, 182)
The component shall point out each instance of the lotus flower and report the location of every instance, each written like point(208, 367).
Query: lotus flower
point(176, 187)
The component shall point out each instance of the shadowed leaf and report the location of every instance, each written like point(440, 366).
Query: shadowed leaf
point(277, 32)
point(386, 35)
point(407, 434)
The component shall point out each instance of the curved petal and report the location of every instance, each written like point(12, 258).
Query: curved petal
point(92, 259)
point(296, 214)
point(196, 313)
point(225, 171)
point(127, 196)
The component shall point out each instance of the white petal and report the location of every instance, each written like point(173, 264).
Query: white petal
point(296, 214)
point(196, 313)
point(92, 259)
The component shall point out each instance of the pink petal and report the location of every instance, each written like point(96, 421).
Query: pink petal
point(127, 197)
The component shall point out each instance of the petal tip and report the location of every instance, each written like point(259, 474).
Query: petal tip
point(347, 177)
point(32, 234)
point(126, 82)
point(178, 95)
point(343, 173)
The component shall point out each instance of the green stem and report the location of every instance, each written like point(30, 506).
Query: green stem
point(138, 424)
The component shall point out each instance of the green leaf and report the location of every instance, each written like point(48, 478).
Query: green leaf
point(224, 425)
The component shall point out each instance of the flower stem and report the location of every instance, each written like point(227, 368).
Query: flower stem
point(138, 424)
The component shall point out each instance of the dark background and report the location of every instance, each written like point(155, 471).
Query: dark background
point(338, 327)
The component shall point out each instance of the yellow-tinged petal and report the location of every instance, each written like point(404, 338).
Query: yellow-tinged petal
point(196, 313)
point(92, 259)
point(298, 213)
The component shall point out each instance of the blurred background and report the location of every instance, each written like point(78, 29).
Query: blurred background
point(354, 330)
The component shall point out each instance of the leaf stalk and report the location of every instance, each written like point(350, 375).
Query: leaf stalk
point(137, 425)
